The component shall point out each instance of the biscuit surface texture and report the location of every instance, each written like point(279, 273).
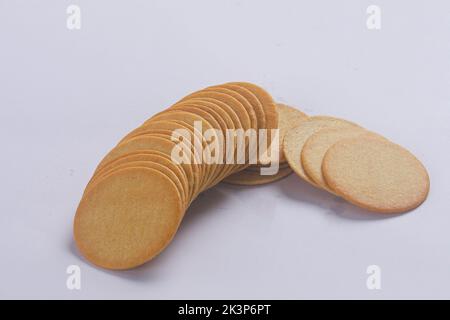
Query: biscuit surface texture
point(127, 218)
point(295, 139)
point(376, 174)
point(318, 144)
point(288, 118)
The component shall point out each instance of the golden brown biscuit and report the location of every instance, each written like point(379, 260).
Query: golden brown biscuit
point(145, 164)
point(268, 106)
point(208, 112)
point(252, 100)
point(229, 99)
point(226, 123)
point(238, 111)
point(231, 107)
point(376, 174)
point(265, 100)
point(142, 155)
point(158, 143)
point(148, 161)
point(127, 218)
point(251, 115)
point(167, 127)
point(188, 117)
point(244, 102)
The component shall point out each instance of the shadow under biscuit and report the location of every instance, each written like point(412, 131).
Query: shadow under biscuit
point(299, 190)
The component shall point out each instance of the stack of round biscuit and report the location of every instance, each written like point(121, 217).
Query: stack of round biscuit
point(139, 193)
point(137, 197)
point(288, 118)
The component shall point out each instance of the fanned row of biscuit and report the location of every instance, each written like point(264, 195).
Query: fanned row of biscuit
point(138, 195)
point(140, 191)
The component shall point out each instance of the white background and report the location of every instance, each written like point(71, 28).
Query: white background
point(66, 98)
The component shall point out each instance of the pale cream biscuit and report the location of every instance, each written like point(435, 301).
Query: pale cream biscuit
point(376, 174)
point(317, 145)
point(295, 139)
point(288, 118)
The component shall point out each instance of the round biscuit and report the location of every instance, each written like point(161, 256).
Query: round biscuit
point(127, 218)
point(376, 174)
